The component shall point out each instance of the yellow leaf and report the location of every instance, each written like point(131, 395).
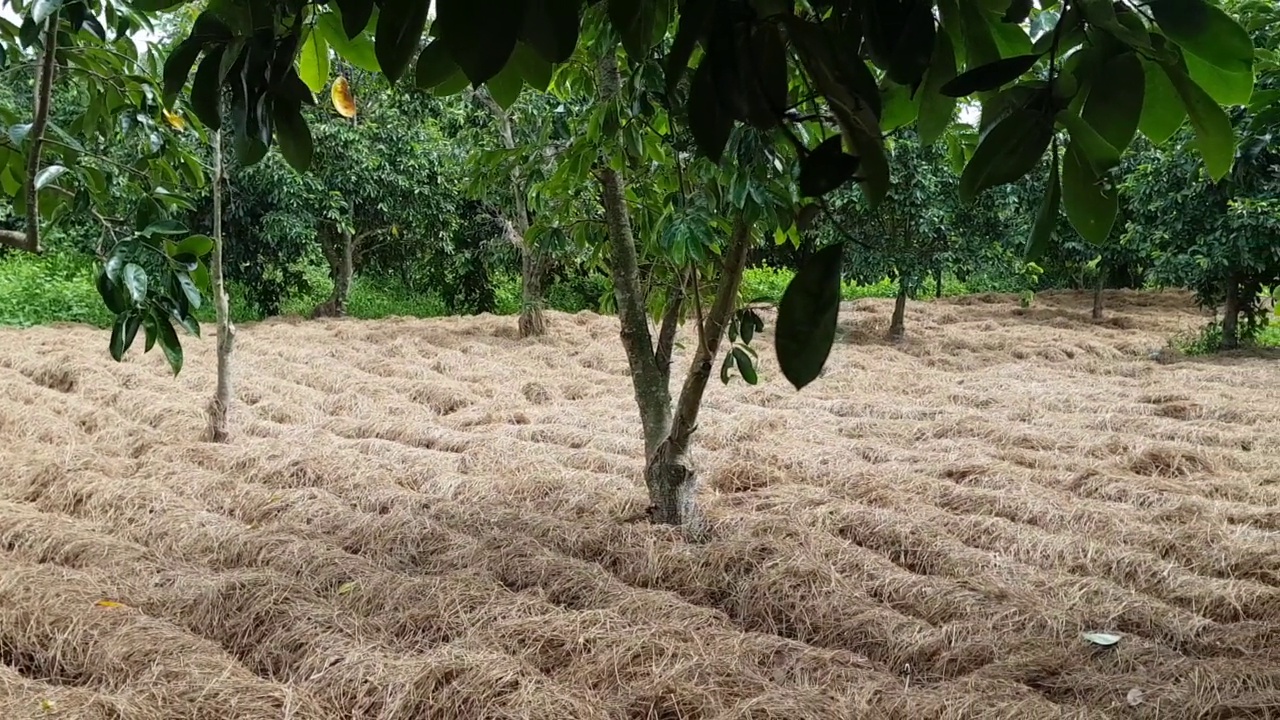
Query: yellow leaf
point(343, 101)
point(175, 120)
point(346, 588)
point(48, 706)
point(109, 604)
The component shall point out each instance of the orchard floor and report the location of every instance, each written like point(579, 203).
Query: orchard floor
point(432, 519)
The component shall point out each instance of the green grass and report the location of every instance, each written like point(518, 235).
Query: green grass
point(56, 288)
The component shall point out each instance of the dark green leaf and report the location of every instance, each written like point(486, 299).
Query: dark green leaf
point(989, 76)
point(434, 66)
point(479, 34)
point(293, 135)
point(206, 91)
point(117, 337)
point(708, 122)
point(505, 86)
point(1091, 207)
point(186, 261)
point(806, 216)
point(1017, 12)
point(936, 109)
point(826, 168)
point(534, 68)
point(1010, 149)
point(355, 15)
point(135, 280)
point(1207, 31)
point(110, 292)
point(1046, 218)
point(165, 226)
point(1214, 136)
point(725, 367)
point(177, 67)
point(169, 342)
point(694, 16)
point(151, 330)
point(745, 366)
point(551, 28)
point(1102, 156)
point(131, 329)
point(767, 98)
point(807, 317)
point(1114, 104)
point(633, 21)
point(400, 24)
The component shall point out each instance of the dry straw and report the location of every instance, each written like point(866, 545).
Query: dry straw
point(433, 519)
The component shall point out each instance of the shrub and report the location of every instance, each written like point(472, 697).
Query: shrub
point(56, 288)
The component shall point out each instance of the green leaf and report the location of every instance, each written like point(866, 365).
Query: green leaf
point(165, 226)
point(117, 337)
point(826, 168)
point(551, 28)
point(1046, 217)
point(708, 122)
point(151, 330)
point(1214, 136)
point(1115, 101)
point(47, 175)
point(979, 44)
point(535, 69)
point(745, 366)
point(292, 135)
point(633, 21)
point(1009, 150)
point(725, 367)
point(189, 289)
point(110, 293)
point(936, 109)
point(355, 15)
point(206, 91)
point(989, 77)
point(434, 66)
point(1206, 31)
point(42, 9)
point(1162, 110)
point(1226, 88)
point(505, 86)
point(135, 280)
point(694, 16)
point(807, 317)
point(168, 338)
point(178, 66)
point(479, 34)
point(131, 329)
point(455, 84)
point(399, 31)
point(198, 245)
point(358, 50)
point(313, 62)
point(1102, 156)
point(897, 106)
point(1090, 206)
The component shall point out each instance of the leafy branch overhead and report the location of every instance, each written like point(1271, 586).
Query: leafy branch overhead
point(1074, 79)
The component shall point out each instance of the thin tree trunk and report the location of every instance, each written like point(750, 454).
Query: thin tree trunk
point(339, 251)
point(650, 383)
point(220, 406)
point(671, 480)
point(897, 326)
point(937, 282)
point(1097, 294)
point(1231, 315)
point(533, 266)
point(30, 239)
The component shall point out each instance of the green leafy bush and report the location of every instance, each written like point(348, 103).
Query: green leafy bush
point(56, 288)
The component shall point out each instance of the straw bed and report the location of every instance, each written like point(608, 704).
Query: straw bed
point(432, 518)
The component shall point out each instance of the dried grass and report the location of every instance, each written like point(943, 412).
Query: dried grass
point(435, 519)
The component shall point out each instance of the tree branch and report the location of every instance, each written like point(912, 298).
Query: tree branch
point(670, 322)
point(722, 307)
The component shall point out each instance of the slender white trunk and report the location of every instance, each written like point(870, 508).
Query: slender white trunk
point(220, 406)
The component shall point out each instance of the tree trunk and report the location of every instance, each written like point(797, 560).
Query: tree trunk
point(533, 268)
point(937, 283)
point(1231, 315)
point(341, 258)
point(220, 405)
point(29, 240)
point(897, 326)
point(672, 482)
point(1097, 294)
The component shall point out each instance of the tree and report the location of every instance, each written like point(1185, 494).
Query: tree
point(1082, 65)
point(112, 153)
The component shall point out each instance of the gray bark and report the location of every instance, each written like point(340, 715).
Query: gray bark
point(339, 250)
point(220, 405)
point(1231, 315)
point(533, 266)
point(1097, 294)
point(897, 326)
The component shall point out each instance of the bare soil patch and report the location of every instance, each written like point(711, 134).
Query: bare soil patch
point(430, 519)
